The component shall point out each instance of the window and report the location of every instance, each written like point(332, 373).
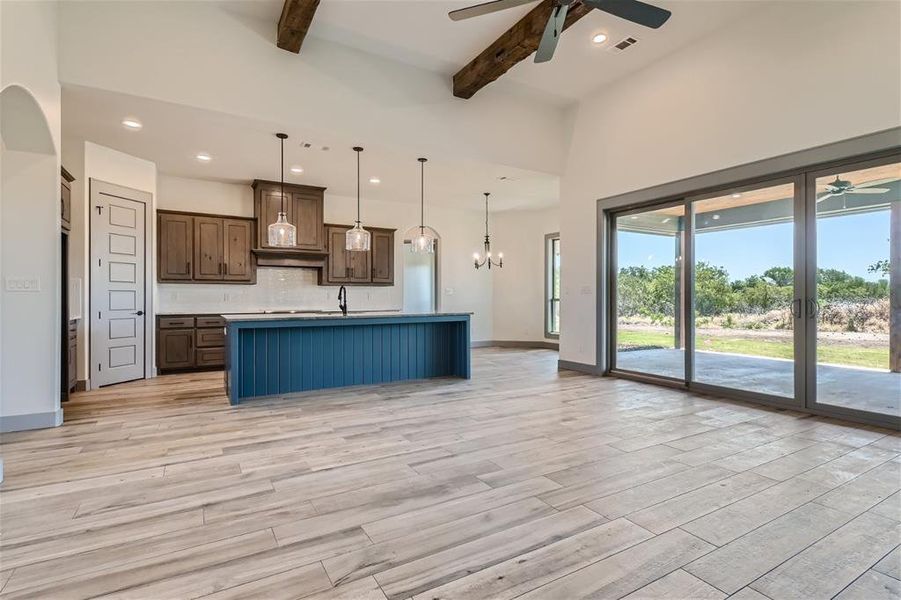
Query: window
point(552, 285)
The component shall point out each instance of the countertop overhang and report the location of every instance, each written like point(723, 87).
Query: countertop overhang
point(316, 316)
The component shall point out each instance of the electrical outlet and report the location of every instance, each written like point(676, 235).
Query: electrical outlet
point(23, 284)
point(449, 291)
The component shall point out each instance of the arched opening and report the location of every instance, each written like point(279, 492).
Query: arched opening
point(29, 265)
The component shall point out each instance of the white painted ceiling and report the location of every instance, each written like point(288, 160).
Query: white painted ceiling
point(419, 32)
point(245, 149)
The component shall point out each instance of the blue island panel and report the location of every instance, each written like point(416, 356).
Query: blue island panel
point(278, 356)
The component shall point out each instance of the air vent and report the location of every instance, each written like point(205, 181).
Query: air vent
point(625, 44)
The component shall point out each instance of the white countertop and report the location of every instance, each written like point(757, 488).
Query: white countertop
point(321, 315)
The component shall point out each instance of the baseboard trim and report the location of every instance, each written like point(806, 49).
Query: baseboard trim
point(516, 344)
point(569, 365)
point(25, 422)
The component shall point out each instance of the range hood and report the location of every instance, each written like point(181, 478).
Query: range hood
point(288, 257)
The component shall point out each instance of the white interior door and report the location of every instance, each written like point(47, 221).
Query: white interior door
point(118, 283)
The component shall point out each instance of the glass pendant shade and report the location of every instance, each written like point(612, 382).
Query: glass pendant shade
point(282, 234)
point(357, 239)
point(422, 238)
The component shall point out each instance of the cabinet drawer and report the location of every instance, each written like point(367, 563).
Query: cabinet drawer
point(209, 338)
point(210, 357)
point(176, 322)
point(210, 322)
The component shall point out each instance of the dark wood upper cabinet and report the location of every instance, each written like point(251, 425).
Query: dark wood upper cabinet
point(237, 260)
point(175, 240)
point(382, 256)
point(205, 248)
point(308, 213)
point(303, 209)
point(338, 264)
point(375, 267)
point(208, 248)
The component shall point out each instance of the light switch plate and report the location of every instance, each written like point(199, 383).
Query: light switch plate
point(23, 284)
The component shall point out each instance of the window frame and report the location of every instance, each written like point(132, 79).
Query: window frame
point(549, 298)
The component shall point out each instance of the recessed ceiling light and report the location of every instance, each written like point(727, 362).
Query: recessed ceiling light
point(375, 180)
point(715, 217)
point(130, 123)
point(296, 169)
point(599, 38)
point(736, 195)
point(203, 157)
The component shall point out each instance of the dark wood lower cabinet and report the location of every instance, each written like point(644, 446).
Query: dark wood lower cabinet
point(190, 342)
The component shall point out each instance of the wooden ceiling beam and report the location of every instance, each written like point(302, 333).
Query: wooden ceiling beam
point(516, 44)
point(294, 23)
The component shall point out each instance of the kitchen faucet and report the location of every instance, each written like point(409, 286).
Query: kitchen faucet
point(342, 300)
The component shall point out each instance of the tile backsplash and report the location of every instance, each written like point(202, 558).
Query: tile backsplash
point(276, 289)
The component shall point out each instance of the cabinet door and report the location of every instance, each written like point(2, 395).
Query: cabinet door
point(208, 248)
point(176, 248)
point(382, 256)
point(270, 205)
point(65, 200)
point(238, 242)
point(338, 258)
point(360, 267)
point(308, 219)
point(176, 349)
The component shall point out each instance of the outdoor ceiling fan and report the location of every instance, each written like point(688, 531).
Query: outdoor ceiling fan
point(840, 187)
point(631, 10)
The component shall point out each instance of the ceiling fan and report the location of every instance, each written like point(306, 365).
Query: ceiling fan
point(840, 187)
point(631, 10)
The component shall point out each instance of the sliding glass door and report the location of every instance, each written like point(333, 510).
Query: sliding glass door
point(746, 299)
point(854, 332)
point(648, 281)
point(786, 291)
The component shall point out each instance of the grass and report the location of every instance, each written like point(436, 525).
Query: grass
point(837, 354)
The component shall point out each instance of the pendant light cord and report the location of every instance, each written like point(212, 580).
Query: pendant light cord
point(421, 195)
point(358, 186)
point(486, 215)
point(283, 174)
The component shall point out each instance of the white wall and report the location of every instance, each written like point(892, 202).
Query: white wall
point(783, 80)
point(519, 286)
point(29, 220)
point(463, 289)
point(86, 160)
point(211, 58)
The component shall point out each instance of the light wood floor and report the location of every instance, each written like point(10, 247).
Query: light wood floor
point(520, 483)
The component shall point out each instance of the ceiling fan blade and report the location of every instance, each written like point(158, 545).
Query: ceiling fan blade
point(824, 196)
point(868, 190)
point(551, 35)
point(477, 10)
point(633, 10)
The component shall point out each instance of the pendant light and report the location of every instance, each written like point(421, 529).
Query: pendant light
point(282, 234)
point(422, 238)
point(481, 261)
point(357, 239)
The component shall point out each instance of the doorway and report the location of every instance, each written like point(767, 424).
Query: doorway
point(118, 283)
point(420, 280)
point(783, 291)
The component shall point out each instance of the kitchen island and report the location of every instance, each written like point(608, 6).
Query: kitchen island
point(273, 354)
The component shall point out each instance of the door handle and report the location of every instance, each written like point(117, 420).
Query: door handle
point(813, 308)
point(140, 313)
point(796, 308)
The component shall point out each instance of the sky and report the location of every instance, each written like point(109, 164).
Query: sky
point(850, 243)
